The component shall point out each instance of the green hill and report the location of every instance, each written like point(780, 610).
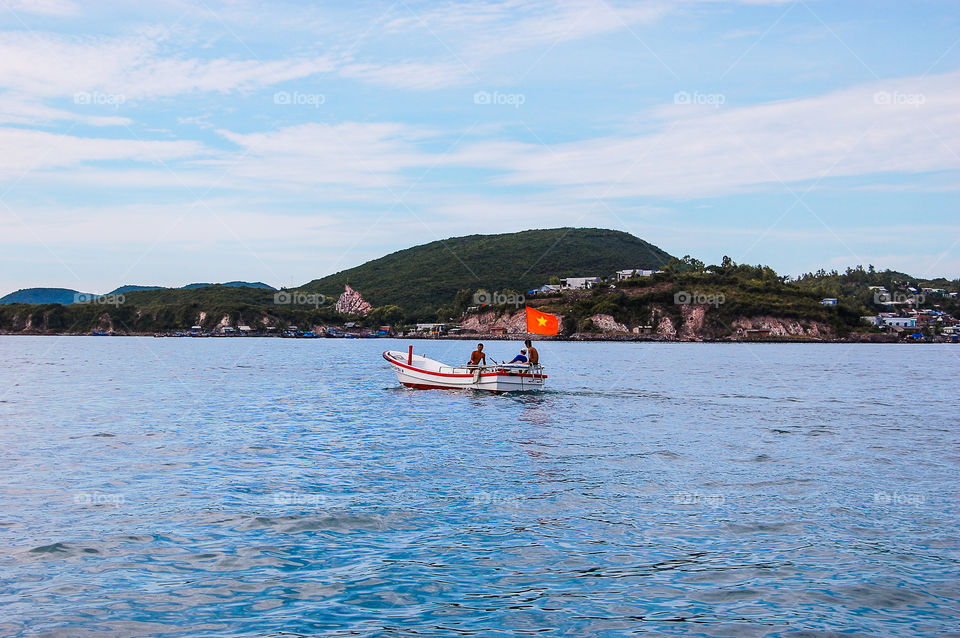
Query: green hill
point(229, 284)
point(233, 284)
point(122, 290)
point(63, 296)
point(67, 296)
point(423, 278)
point(211, 295)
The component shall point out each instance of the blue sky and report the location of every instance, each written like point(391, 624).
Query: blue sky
point(171, 142)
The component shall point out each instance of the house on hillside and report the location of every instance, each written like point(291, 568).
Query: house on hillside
point(636, 272)
point(828, 301)
point(542, 290)
point(900, 322)
point(578, 283)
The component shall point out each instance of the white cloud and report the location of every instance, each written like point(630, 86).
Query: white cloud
point(134, 67)
point(486, 29)
point(213, 219)
point(140, 67)
point(18, 109)
point(481, 30)
point(43, 7)
point(904, 126)
point(350, 154)
point(39, 150)
point(908, 125)
point(201, 121)
point(409, 75)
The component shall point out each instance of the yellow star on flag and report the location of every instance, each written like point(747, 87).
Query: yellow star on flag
point(542, 321)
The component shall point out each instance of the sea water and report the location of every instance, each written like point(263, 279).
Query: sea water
point(252, 486)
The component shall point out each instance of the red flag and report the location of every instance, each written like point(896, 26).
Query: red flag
point(541, 323)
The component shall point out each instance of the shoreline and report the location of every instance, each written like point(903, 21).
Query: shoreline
point(577, 338)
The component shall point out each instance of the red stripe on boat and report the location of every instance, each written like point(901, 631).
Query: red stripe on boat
point(462, 376)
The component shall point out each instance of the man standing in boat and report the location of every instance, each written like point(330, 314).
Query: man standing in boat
point(477, 356)
point(532, 353)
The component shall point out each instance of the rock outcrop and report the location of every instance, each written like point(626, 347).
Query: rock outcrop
point(607, 323)
point(692, 328)
point(489, 322)
point(693, 325)
point(665, 328)
point(352, 303)
point(775, 327)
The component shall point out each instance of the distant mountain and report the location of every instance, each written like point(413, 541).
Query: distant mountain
point(233, 284)
point(423, 278)
point(131, 288)
point(63, 296)
point(66, 296)
point(214, 297)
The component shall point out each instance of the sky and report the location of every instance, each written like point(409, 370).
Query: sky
point(171, 142)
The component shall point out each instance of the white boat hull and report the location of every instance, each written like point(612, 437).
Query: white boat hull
point(423, 373)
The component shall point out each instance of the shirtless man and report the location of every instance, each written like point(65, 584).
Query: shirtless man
point(532, 353)
point(477, 356)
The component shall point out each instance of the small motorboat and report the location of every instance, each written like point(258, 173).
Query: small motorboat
point(416, 371)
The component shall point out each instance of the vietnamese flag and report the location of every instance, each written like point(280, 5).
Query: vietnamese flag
point(541, 323)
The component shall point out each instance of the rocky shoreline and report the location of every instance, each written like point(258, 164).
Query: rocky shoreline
point(629, 338)
point(579, 337)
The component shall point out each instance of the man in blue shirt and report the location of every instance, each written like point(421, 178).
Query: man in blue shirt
point(520, 358)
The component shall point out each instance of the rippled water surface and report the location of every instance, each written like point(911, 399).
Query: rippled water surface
point(272, 486)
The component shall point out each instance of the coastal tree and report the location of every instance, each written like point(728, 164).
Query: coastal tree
point(463, 300)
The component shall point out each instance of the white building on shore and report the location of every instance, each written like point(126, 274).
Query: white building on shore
point(578, 283)
point(636, 272)
point(900, 322)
